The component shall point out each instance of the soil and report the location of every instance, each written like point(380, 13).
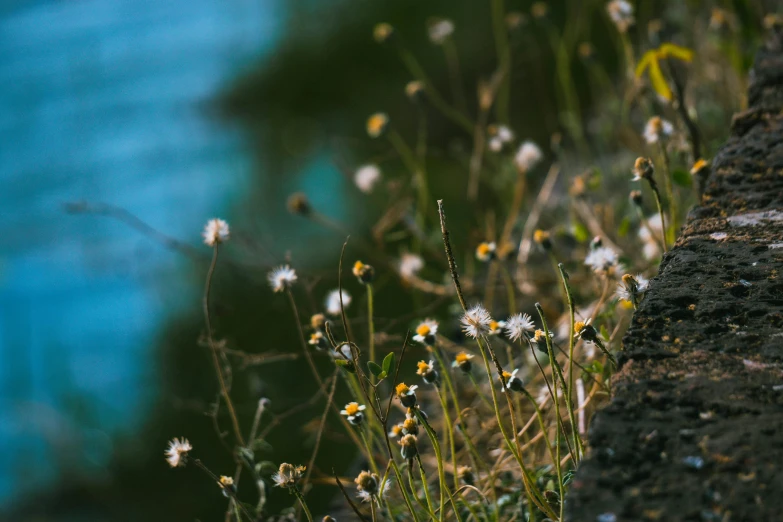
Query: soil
point(694, 430)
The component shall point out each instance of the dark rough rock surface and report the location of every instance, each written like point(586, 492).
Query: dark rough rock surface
point(694, 430)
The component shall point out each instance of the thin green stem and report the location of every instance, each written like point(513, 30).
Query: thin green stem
point(303, 503)
point(658, 202)
point(571, 344)
point(667, 178)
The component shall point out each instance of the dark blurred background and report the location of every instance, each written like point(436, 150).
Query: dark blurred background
point(173, 112)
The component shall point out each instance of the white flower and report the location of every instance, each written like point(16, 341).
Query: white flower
point(495, 144)
point(517, 325)
point(288, 475)
point(353, 411)
point(499, 137)
point(632, 287)
point(215, 231)
point(177, 452)
point(440, 29)
point(281, 278)
point(505, 134)
point(410, 265)
point(657, 129)
point(475, 322)
point(621, 13)
point(366, 177)
point(333, 302)
point(426, 331)
point(601, 259)
point(527, 156)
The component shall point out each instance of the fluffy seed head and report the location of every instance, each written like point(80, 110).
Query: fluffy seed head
point(281, 278)
point(177, 452)
point(518, 325)
point(621, 13)
point(528, 156)
point(366, 177)
point(475, 322)
point(657, 129)
point(215, 232)
point(439, 30)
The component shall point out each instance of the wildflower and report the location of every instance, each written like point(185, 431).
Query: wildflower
point(365, 273)
point(318, 340)
point(539, 338)
point(353, 411)
point(396, 431)
point(636, 197)
point(406, 394)
point(299, 204)
point(366, 177)
point(410, 265)
point(528, 155)
point(496, 327)
point(410, 426)
point(657, 129)
point(632, 288)
point(719, 18)
point(518, 325)
point(215, 232)
point(281, 278)
point(602, 259)
point(475, 322)
point(408, 446)
point(382, 32)
point(376, 124)
point(327, 518)
point(288, 475)
point(462, 361)
point(596, 242)
point(699, 166)
point(318, 321)
point(513, 382)
point(227, 483)
point(584, 330)
point(427, 372)
point(515, 19)
point(439, 30)
point(621, 13)
point(499, 135)
point(465, 474)
point(425, 332)
point(333, 301)
point(542, 237)
point(486, 251)
point(177, 452)
point(643, 169)
point(414, 90)
point(368, 486)
point(539, 9)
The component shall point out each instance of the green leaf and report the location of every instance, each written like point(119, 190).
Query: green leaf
point(388, 363)
point(374, 368)
point(682, 178)
point(262, 445)
point(383, 375)
point(581, 234)
point(604, 333)
point(625, 226)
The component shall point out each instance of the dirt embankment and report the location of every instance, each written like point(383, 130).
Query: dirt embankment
point(695, 427)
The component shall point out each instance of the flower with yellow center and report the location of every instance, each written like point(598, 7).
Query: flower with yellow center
point(353, 411)
point(426, 332)
point(427, 371)
point(376, 124)
point(395, 431)
point(541, 237)
point(513, 382)
point(462, 361)
point(496, 327)
point(485, 251)
point(365, 273)
point(410, 426)
point(408, 446)
point(699, 165)
point(406, 394)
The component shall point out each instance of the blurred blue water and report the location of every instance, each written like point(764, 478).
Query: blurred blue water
point(104, 101)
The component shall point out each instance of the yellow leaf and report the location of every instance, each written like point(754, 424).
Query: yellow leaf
point(649, 56)
point(658, 81)
point(670, 49)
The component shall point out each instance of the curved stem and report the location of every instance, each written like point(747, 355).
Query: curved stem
point(571, 343)
point(213, 350)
